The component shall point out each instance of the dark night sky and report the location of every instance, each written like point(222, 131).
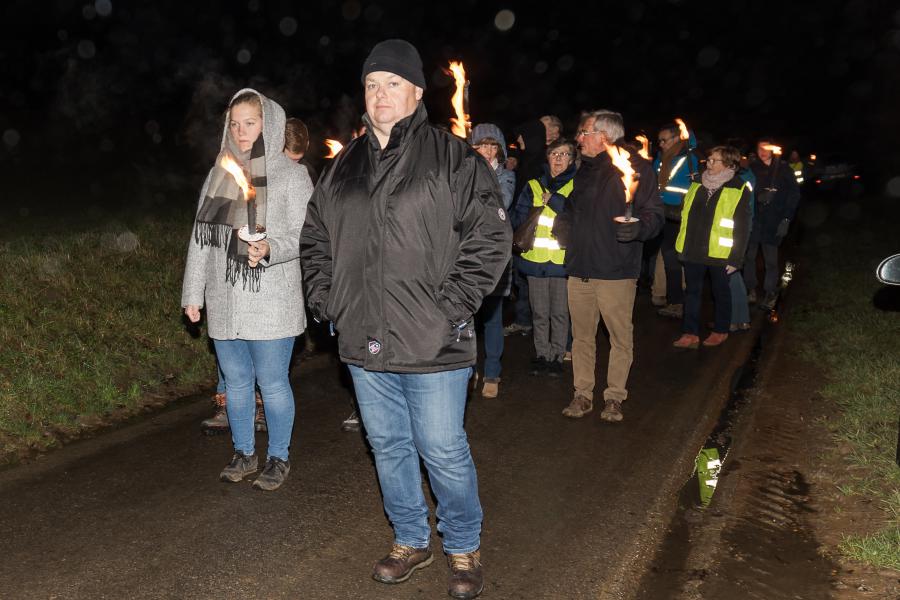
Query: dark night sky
point(105, 76)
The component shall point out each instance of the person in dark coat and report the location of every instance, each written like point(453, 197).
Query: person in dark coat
point(712, 238)
point(777, 198)
point(544, 264)
point(405, 235)
point(603, 259)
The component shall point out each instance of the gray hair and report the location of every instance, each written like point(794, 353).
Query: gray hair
point(610, 123)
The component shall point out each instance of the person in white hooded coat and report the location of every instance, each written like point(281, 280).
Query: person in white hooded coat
point(252, 292)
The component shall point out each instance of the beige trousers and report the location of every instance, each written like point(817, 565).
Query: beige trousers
point(613, 301)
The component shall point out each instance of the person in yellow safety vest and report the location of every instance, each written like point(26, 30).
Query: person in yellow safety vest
point(543, 265)
point(796, 164)
point(715, 229)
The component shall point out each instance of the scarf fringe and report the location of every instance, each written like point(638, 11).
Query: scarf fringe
point(212, 234)
point(239, 269)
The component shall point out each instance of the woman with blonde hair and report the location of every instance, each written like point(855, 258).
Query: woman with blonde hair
point(251, 289)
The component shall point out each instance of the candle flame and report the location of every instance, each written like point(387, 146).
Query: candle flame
point(230, 165)
point(776, 150)
point(459, 124)
point(645, 146)
point(334, 147)
point(683, 128)
point(620, 160)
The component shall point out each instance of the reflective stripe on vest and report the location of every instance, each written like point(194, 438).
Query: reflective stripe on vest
point(721, 236)
point(546, 248)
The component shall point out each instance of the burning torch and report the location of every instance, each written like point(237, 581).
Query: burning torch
point(460, 124)
point(250, 232)
point(645, 146)
point(630, 180)
point(334, 147)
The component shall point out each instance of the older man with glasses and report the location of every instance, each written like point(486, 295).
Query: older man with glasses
point(603, 260)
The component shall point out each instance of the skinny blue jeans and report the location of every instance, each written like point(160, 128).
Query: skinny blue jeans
point(412, 415)
point(265, 362)
point(492, 318)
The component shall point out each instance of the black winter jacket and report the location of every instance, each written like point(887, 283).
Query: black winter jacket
point(777, 198)
point(400, 246)
point(587, 230)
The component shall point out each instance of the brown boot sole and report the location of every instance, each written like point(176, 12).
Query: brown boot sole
point(413, 569)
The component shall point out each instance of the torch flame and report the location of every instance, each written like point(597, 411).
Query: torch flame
point(240, 177)
point(334, 147)
point(776, 150)
point(683, 128)
point(645, 146)
point(619, 158)
point(459, 124)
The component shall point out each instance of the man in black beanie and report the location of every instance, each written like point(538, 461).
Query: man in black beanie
point(404, 236)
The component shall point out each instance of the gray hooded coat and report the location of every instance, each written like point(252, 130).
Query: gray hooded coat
point(276, 310)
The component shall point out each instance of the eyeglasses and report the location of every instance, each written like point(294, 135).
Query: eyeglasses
point(712, 160)
point(560, 154)
point(584, 132)
point(486, 145)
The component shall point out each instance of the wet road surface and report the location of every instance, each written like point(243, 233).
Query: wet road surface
point(573, 508)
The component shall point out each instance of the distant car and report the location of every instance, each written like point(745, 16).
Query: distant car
point(833, 171)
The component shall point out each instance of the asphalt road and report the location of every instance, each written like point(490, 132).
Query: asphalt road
point(573, 508)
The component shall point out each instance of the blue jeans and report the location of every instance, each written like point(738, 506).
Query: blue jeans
point(265, 362)
point(408, 415)
point(693, 297)
point(492, 318)
point(522, 305)
point(740, 309)
point(220, 382)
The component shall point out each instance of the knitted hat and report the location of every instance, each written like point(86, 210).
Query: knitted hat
point(398, 57)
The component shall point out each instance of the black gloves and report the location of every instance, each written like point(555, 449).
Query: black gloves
point(782, 228)
point(626, 232)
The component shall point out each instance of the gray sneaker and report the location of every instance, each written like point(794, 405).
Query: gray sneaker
point(273, 475)
point(515, 328)
point(612, 412)
point(674, 311)
point(351, 423)
point(239, 467)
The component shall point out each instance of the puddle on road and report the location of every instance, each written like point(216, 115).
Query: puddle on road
point(767, 551)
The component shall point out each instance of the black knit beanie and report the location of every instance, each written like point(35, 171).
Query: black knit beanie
point(398, 57)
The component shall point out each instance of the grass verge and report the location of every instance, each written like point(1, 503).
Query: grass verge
point(854, 335)
point(90, 324)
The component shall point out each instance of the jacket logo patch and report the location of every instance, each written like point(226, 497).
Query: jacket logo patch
point(501, 213)
point(374, 346)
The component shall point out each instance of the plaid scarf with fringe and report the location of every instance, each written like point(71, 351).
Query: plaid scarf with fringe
point(224, 211)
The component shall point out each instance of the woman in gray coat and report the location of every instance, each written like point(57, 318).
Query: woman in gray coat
point(251, 289)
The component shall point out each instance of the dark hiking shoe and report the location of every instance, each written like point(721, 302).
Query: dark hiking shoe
point(400, 563)
point(554, 368)
point(612, 412)
point(239, 467)
point(578, 407)
point(273, 475)
point(673, 311)
point(351, 423)
point(538, 367)
point(466, 577)
point(218, 423)
point(259, 422)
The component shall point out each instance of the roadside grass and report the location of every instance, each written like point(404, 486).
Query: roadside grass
point(90, 323)
point(858, 347)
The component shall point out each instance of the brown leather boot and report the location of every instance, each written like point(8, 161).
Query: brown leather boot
point(259, 421)
point(466, 578)
point(218, 423)
point(400, 563)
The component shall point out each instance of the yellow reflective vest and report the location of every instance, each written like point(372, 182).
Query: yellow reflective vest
point(721, 236)
point(546, 248)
